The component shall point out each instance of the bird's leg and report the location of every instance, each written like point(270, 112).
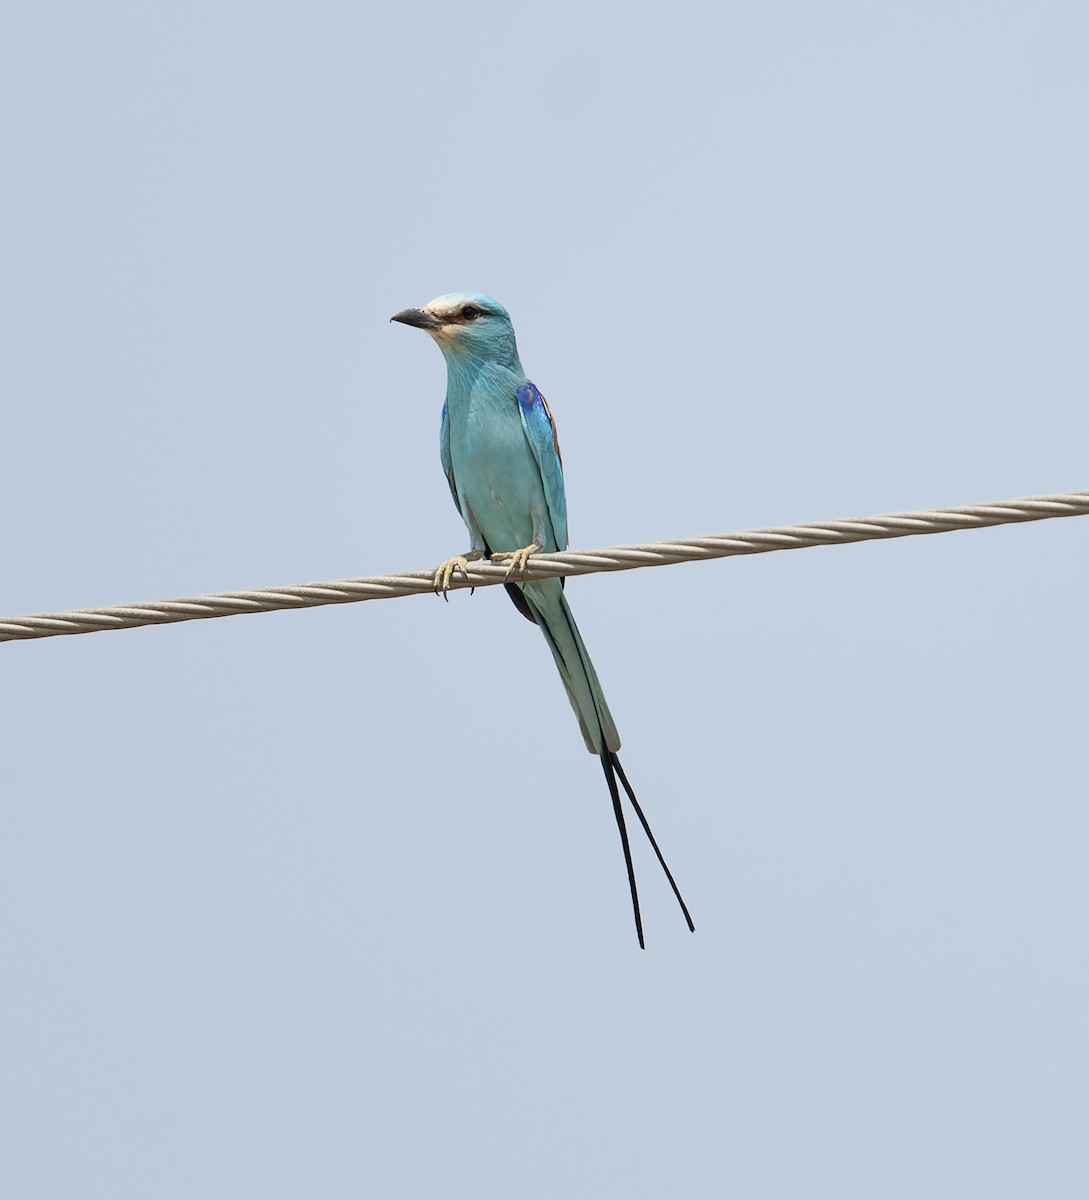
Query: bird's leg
point(445, 572)
point(518, 558)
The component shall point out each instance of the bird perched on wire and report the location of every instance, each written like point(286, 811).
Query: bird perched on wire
point(501, 456)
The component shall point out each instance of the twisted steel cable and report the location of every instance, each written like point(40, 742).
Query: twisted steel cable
point(543, 566)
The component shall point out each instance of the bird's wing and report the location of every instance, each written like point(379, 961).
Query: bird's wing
point(541, 434)
point(444, 455)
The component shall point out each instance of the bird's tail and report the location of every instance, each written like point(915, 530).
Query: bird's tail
point(550, 610)
point(548, 605)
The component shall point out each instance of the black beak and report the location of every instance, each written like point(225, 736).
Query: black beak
point(417, 317)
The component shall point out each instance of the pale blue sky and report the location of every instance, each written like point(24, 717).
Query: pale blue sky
point(330, 903)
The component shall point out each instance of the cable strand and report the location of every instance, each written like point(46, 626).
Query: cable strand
point(545, 566)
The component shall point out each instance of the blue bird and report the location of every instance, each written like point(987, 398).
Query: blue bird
point(502, 461)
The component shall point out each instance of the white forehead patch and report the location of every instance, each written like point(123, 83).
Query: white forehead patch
point(445, 307)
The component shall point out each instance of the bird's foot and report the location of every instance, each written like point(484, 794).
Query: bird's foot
point(446, 572)
point(518, 558)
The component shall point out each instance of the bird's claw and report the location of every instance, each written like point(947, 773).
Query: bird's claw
point(447, 571)
point(518, 558)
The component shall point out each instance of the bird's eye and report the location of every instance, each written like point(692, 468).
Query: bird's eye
point(470, 312)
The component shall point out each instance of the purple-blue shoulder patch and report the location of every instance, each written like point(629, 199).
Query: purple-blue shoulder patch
point(528, 396)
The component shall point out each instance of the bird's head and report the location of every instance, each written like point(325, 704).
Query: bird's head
point(468, 327)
